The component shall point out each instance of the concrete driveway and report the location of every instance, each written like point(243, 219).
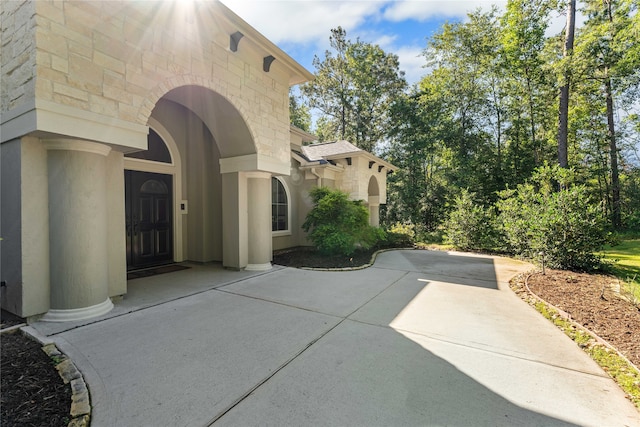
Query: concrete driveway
point(420, 338)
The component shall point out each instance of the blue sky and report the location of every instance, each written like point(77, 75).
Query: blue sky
point(302, 27)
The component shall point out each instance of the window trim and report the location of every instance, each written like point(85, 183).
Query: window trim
point(286, 232)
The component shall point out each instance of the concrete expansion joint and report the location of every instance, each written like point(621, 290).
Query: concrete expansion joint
point(80, 412)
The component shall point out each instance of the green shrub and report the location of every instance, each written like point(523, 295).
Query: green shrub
point(399, 236)
point(470, 226)
point(337, 225)
point(565, 225)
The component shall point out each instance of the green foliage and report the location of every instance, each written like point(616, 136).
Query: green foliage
point(400, 236)
point(619, 368)
point(352, 90)
point(565, 225)
point(484, 116)
point(470, 226)
point(337, 225)
point(299, 114)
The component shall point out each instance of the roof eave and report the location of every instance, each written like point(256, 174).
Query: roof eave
point(297, 73)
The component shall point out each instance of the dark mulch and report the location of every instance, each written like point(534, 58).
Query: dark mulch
point(591, 301)
point(7, 320)
point(32, 392)
point(304, 256)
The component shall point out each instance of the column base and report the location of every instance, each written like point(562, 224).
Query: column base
point(258, 267)
point(72, 314)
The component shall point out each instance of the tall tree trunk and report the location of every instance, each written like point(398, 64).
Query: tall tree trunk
point(532, 122)
point(616, 219)
point(563, 115)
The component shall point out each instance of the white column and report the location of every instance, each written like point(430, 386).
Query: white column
point(374, 211)
point(259, 220)
point(78, 244)
point(234, 220)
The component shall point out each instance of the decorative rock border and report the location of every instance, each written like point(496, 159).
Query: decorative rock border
point(360, 267)
point(566, 316)
point(80, 412)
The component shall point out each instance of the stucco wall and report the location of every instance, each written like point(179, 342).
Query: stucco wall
point(201, 181)
point(117, 259)
point(10, 227)
point(25, 246)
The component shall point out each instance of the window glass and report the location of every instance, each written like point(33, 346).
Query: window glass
point(157, 151)
point(279, 206)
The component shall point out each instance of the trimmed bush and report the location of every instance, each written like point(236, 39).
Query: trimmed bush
point(337, 225)
point(470, 226)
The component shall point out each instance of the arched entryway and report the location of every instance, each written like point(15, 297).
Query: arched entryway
point(153, 192)
point(223, 212)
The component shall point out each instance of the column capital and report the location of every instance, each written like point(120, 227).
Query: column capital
point(258, 175)
point(76, 145)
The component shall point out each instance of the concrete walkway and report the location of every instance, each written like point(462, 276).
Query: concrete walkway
point(420, 338)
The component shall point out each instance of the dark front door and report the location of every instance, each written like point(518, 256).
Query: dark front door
point(149, 219)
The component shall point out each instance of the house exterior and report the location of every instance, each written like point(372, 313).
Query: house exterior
point(140, 133)
point(340, 165)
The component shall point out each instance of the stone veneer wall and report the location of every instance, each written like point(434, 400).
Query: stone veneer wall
point(17, 53)
point(117, 58)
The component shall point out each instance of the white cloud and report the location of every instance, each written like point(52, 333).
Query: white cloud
point(412, 62)
point(422, 10)
point(303, 26)
point(303, 21)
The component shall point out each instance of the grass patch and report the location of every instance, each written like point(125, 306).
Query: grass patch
point(623, 373)
point(625, 260)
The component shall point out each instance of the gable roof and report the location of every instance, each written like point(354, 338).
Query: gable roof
point(340, 150)
point(329, 149)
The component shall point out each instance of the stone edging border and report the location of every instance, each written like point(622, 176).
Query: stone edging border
point(360, 267)
point(80, 413)
point(566, 316)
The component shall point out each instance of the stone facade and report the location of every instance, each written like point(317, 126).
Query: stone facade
point(88, 84)
point(83, 82)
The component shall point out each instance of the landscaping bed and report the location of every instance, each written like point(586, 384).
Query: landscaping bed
point(308, 257)
point(33, 394)
point(592, 301)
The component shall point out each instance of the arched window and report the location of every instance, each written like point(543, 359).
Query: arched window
point(279, 206)
point(157, 151)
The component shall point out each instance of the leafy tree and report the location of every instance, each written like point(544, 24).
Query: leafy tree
point(353, 89)
point(610, 60)
point(417, 191)
point(523, 28)
point(463, 82)
point(299, 113)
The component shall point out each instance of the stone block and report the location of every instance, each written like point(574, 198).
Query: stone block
point(68, 371)
point(108, 62)
point(51, 350)
point(70, 92)
point(52, 11)
point(80, 422)
point(80, 406)
point(79, 387)
point(120, 95)
point(51, 42)
point(59, 64)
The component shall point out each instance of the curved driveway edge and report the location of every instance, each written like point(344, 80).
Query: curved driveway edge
point(420, 338)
